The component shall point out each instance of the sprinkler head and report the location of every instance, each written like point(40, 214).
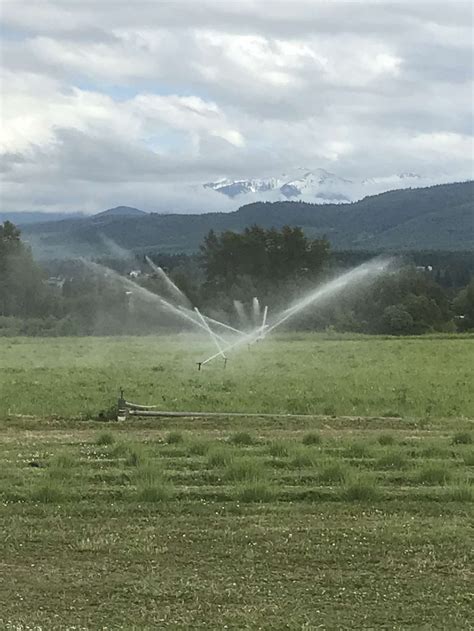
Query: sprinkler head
point(199, 364)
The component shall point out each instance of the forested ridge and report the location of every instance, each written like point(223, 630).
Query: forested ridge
point(438, 217)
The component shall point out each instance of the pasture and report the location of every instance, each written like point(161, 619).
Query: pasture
point(357, 517)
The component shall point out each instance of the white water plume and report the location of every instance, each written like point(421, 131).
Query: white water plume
point(256, 310)
point(172, 288)
point(149, 297)
point(115, 250)
point(240, 311)
point(357, 277)
point(215, 338)
point(222, 325)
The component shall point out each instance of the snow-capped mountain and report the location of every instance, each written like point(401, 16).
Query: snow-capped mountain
point(232, 188)
point(316, 185)
point(319, 184)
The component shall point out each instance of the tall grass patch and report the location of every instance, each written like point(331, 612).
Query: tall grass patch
point(220, 457)
point(49, 492)
point(433, 475)
point(357, 450)
point(303, 457)
point(62, 466)
point(245, 470)
point(104, 439)
point(198, 447)
point(393, 459)
point(386, 439)
point(278, 449)
point(152, 483)
point(241, 439)
point(312, 438)
point(462, 493)
point(174, 438)
point(361, 489)
point(468, 458)
point(256, 492)
point(462, 438)
point(333, 472)
point(136, 455)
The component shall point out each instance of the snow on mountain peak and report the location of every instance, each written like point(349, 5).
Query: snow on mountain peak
point(311, 185)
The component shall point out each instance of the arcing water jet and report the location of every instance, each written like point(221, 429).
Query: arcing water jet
point(364, 273)
point(174, 290)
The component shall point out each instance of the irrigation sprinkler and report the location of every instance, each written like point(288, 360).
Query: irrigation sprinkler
point(248, 338)
point(122, 409)
point(356, 277)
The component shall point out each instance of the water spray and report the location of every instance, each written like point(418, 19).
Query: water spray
point(363, 273)
point(240, 311)
point(172, 287)
point(214, 337)
point(256, 310)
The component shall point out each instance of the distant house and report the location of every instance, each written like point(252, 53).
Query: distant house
point(55, 281)
point(135, 273)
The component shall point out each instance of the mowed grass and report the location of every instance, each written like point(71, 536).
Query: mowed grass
point(300, 374)
point(348, 520)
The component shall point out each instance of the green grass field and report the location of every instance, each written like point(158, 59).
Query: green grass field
point(359, 517)
point(304, 374)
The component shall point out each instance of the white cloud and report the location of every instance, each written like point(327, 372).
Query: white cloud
point(106, 103)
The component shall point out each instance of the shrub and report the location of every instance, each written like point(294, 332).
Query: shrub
point(241, 438)
point(105, 438)
point(255, 492)
point(312, 438)
point(173, 438)
point(362, 489)
point(333, 473)
point(434, 475)
point(386, 439)
point(462, 438)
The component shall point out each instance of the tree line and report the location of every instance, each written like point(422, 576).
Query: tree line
point(277, 266)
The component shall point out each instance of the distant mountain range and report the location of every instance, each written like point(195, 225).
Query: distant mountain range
point(316, 185)
point(438, 217)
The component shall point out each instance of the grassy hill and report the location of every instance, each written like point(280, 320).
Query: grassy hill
point(437, 217)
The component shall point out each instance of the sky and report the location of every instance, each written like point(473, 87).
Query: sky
point(106, 103)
